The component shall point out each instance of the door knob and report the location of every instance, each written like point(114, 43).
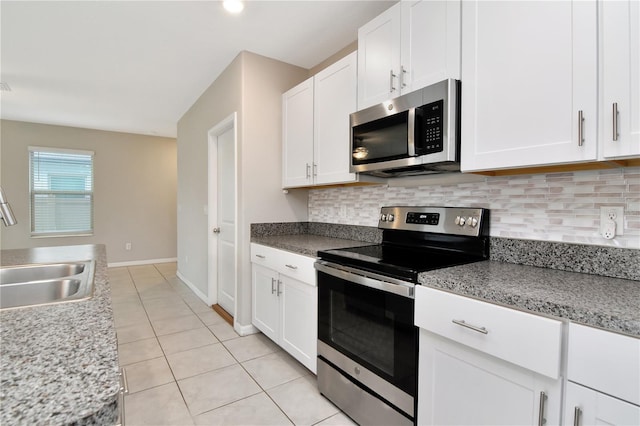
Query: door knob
point(216, 230)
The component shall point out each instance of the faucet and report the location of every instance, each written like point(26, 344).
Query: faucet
point(5, 211)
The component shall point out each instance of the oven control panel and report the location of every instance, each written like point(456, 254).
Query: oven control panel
point(442, 220)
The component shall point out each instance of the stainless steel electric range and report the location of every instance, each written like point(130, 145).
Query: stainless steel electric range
point(367, 341)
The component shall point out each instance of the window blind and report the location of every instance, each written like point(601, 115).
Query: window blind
point(61, 191)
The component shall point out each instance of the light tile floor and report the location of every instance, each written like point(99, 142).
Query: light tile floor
point(186, 366)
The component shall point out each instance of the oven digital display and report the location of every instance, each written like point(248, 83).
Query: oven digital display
point(423, 218)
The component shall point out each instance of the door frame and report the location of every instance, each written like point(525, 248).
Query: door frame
point(231, 122)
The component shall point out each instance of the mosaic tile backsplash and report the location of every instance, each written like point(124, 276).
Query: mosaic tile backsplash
point(561, 207)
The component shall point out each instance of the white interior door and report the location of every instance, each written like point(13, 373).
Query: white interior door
point(222, 214)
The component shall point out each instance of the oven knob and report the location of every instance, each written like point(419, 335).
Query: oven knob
point(457, 221)
point(356, 370)
point(390, 217)
point(462, 221)
point(474, 222)
point(383, 218)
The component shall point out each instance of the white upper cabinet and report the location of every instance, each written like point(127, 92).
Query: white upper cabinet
point(529, 84)
point(620, 46)
point(430, 48)
point(315, 129)
point(407, 47)
point(335, 99)
point(297, 134)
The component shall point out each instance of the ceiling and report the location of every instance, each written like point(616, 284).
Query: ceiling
point(137, 66)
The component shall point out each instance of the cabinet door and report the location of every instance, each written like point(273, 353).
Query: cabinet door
point(299, 307)
point(620, 29)
point(529, 70)
point(297, 135)
point(595, 408)
point(265, 303)
point(430, 43)
point(458, 385)
point(379, 58)
point(334, 99)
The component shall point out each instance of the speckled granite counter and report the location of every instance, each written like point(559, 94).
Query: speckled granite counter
point(609, 303)
point(59, 363)
point(306, 244)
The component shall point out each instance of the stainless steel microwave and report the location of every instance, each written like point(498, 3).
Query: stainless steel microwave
point(417, 133)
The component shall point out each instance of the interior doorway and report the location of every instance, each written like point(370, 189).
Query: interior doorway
point(222, 216)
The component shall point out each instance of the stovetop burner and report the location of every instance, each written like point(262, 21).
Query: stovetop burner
point(419, 239)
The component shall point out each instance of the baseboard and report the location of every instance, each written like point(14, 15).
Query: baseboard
point(141, 262)
point(193, 288)
point(245, 330)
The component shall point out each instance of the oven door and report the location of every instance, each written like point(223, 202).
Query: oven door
point(366, 330)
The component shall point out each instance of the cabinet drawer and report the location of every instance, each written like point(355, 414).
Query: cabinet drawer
point(265, 256)
point(297, 266)
point(291, 264)
point(530, 341)
point(605, 361)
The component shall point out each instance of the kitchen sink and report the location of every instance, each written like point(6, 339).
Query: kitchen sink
point(29, 285)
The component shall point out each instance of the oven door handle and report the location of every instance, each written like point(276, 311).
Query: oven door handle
point(379, 282)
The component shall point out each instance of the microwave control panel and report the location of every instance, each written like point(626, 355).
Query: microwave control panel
point(432, 120)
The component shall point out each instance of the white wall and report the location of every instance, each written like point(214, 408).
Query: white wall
point(252, 86)
point(561, 207)
point(134, 189)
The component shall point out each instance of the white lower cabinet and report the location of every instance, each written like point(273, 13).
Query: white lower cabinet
point(285, 300)
point(483, 364)
point(584, 406)
point(603, 373)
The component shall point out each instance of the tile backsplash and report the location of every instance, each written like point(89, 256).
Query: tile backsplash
point(549, 207)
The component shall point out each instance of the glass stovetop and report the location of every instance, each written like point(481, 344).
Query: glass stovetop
point(396, 261)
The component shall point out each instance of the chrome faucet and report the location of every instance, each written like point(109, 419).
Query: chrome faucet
point(5, 211)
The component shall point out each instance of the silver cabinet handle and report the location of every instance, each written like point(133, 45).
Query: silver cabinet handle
point(471, 327)
point(291, 267)
point(577, 416)
point(273, 285)
point(216, 230)
point(615, 121)
point(580, 128)
point(391, 77)
point(260, 256)
point(279, 290)
point(308, 171)
point(315, 170)
point(124, 390)
point(543, 400)
point(403, 72)
point(124, 385)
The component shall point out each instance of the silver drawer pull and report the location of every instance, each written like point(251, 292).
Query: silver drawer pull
point(124, 385)
point(543, 400)
point(291, 266)
point(580, 128)
point(260, 256)
point(472, 327)
point(273, 285)
point(577, 414)
point(615, 121)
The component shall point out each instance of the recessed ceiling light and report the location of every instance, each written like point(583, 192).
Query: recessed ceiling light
point(233, 6)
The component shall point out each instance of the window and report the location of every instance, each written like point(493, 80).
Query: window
point(61, 188)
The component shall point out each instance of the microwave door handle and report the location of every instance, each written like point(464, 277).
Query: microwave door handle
point(411, 133)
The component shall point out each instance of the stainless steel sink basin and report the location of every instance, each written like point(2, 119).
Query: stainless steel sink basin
point(28, 285)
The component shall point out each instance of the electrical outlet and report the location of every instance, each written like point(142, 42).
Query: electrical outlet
point(127, 246)
point(611, 221)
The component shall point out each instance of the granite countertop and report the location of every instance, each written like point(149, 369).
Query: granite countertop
point(609, 303)
point(306, 244)
point(59, 363)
